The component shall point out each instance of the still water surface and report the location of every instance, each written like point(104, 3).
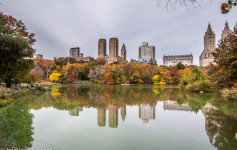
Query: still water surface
point(134, 117)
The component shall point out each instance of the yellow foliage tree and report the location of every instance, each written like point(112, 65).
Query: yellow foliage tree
point(156, 79)
point(54, 76)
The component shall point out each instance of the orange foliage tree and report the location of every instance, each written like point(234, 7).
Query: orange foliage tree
point(46, 65)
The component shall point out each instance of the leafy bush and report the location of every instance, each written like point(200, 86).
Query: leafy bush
point(198, 86)
point(195, 81)
point(229, 95)
point(38, 88)
point(5, 101)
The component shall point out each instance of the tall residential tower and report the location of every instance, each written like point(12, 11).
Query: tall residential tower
point(113, 48)
point(209, 47)
point(74, 52)
point(147, 52)
point(102, 48)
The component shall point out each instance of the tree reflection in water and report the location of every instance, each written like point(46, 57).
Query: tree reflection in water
point(16, 127)
point(220, 117)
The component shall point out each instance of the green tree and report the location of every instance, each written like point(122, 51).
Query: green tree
point(180, 66)
point(15, 60)
point(61, 61)
point(15, 49)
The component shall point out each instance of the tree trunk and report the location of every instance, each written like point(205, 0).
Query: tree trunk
point(47, 74)
point(8, 83)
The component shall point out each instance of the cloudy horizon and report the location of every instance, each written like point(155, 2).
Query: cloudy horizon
point(60, 25)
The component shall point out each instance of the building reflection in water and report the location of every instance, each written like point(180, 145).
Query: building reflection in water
point(123, 112)
point(173, 105)
point(101, 117)
point(113, 116)
point(75, 111)
point(147, 112)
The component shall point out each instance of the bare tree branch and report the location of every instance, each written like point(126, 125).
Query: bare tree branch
point(170, 5)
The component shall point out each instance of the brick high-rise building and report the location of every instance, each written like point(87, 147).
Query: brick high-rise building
point(113, 48)
point(101, 48)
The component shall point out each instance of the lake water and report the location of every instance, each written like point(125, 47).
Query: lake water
point(128, 117)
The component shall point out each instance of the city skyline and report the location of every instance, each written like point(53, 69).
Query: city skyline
point(171, 33)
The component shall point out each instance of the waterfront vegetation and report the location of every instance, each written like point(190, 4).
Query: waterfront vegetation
point(21, 126)
point(17, 66)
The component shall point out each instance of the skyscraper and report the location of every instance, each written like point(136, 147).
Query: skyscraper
point(101, 48)
point(74, 52)
point(209, 46)
point(123, 53)
point(113, 48)
point(147, 52)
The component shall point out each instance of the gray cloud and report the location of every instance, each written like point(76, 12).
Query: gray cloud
point(59, 25)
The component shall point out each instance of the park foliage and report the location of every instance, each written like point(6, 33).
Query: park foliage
point(17, 66)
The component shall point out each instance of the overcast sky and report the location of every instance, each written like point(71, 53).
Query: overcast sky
point(62, 24)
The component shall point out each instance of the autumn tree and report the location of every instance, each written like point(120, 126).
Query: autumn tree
point(109, 78)
point(35, 74)
point(54, 76)
point(11, 26)
point(225, 57)
point(68, 72)
point(156, 79)
point(227, 6)
point(46, 65)
point(175, 75)
point(171, 5)
point(61, 61)
point(79, 69)
point(97, 62)
point(15, 49)
point(96, 73)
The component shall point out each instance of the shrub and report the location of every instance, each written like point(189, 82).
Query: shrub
point(229, 95)
point(198, 86)
point(38, 88)
point(147, 82)
point(5, 101)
